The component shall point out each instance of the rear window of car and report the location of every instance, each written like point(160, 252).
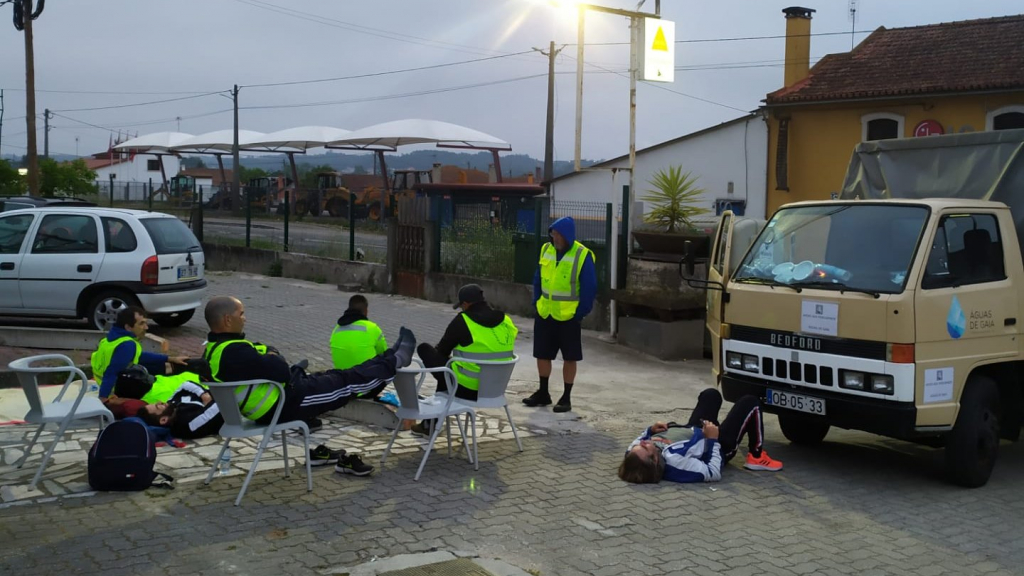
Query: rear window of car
point(169, 235)
point(7, 206)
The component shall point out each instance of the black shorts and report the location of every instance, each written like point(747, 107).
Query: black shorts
point(551, 336)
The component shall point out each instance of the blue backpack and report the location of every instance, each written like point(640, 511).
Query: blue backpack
point(123, 457)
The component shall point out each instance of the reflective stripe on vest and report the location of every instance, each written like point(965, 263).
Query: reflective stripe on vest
point(496, 343)
point(105, 352)
point(165, 387)
point(353, 344)
point(560, 281)
point(253, 401)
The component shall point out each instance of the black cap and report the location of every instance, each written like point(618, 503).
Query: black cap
point(470, 294)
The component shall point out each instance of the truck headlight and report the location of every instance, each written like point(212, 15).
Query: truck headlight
point(750, 363)
point(851, 380)
point(734, 360)
point(881, 384)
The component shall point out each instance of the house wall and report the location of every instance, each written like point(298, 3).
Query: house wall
point(136, 170)
point(734, 153)
point(822, 136)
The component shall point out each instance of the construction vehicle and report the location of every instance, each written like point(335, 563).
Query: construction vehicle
point(334, 189)
point(180, 188)
point(266, 193)
point(895, 310)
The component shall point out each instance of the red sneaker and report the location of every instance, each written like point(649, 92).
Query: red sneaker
point(763, 462)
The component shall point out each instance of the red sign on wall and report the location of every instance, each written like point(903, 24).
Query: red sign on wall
point(928, 128)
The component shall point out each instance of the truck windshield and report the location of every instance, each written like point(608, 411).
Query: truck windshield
point(856, 247)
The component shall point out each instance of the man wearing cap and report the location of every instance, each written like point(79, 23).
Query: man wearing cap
point(478, 331)
point(564, 288)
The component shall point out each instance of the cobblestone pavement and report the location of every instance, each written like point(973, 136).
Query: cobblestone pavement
point(856, 505)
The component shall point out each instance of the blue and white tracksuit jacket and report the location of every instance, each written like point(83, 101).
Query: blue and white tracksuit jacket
point(698, 459)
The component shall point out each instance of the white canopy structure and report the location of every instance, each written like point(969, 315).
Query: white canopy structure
point(296, 139)
point(218, 142)
point(415, 131)
point(158, 144)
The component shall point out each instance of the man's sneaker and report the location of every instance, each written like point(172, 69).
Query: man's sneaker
point(352, 464)
point(420, 429)
point(538, 398)
point(315, 424)
point(762, 462)
point(322, 456)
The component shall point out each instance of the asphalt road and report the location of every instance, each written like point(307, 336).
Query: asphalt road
point(320, 239)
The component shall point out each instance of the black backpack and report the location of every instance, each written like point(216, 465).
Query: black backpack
point(123, 457)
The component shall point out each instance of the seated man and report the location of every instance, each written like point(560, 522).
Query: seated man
point(232, 358)
point(355, 338)
point(478, 330)
point(696, 452)
point(121, 348)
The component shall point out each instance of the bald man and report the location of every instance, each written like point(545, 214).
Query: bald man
point(232, 358)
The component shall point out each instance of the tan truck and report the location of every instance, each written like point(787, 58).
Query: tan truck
point(896, 310)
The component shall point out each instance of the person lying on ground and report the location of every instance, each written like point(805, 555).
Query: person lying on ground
point(696, 451)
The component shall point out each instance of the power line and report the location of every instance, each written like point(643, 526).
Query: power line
point(374, 74)
point(104, 92)
point(164, 101)
point(738, 38)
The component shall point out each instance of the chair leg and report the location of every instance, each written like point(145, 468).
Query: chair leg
point(252, 469)
point(216, 462)
point(31, 444)
point(284, 447)
point(309, 467)
point(387, 450)
point(514, 431)
point(464, 432)
point(476, 451)
point(49, 452)
point(448, 432)
point(430, 446)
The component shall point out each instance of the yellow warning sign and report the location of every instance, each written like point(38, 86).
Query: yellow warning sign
point(659, 41)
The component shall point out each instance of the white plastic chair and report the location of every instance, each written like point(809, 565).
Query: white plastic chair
point(494, 378)
point(237, 426)
point(58, 411)
point(435, 408)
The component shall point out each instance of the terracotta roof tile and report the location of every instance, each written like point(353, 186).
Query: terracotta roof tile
point(966, 56)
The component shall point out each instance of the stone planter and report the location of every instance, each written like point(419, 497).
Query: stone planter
point(665, 243)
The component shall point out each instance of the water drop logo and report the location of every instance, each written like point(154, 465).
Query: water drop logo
point(956, 322)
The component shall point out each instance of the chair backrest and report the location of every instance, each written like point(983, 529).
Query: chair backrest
point(28, 373)
point(405, 388)
point(494, 377)
point(227, 396)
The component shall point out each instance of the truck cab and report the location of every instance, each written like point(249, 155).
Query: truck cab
point(895, 317)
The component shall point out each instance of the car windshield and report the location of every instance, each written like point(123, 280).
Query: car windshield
point(858, 247)
point(170, 235)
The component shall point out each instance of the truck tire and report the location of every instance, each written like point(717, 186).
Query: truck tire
point(174, 320)
point(972, 446)
point(299, 208)
point(337, 207)
point(803, 430)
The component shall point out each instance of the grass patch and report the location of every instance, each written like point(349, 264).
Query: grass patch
point(478, 249)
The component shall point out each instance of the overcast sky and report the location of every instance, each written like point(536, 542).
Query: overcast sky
point(138, 51)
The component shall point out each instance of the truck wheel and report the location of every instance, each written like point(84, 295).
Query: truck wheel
point(104, 308)
point(337, 207)
point(174, 320)
point(972, 446)
point(299, 208)
point(374, 213)
point(803, 430)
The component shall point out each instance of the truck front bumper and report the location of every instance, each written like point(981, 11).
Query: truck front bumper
point(884, 417)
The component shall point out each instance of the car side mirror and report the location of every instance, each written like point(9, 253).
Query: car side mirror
point(689, 261)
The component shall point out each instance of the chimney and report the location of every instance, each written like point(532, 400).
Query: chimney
point(537, 174)
point(492, 176)
point(798, 43)
point(435, 172)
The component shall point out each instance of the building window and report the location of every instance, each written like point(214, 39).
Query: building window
point(153, 165)
point(1005, 118)
point(881, 127)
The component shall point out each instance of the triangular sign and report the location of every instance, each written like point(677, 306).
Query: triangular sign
point(659, 41)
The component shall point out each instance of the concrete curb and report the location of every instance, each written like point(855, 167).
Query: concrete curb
point(406, 561)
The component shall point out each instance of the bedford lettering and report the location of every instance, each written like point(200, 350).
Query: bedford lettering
point(799, 342)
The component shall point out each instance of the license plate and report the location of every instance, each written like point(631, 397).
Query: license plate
point(797, 402)
point(188, 272)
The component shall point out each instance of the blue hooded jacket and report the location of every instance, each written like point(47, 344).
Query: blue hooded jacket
point(122, 358)
point(566, 226)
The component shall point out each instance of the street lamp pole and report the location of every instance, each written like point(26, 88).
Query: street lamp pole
point(579, 86)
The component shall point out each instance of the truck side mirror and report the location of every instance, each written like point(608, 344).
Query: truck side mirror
point(688, 263)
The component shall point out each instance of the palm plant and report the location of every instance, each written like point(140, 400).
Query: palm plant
point(675, 196)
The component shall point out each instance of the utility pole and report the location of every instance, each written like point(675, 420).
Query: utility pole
point(549, 136)
point(1, 120)
point(581, 23)
point(46, 133)
point(25, 24)
point(235, 173)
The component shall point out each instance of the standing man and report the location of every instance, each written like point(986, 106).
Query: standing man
point(477, 331)
point(121, 348)
point(564, 288)
point(355, 338)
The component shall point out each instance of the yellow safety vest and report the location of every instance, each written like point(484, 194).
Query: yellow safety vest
point(560, 281)
point(496, 343)
point(356, 343)
point(260, 398)
point(105, 351)
point(164, 387)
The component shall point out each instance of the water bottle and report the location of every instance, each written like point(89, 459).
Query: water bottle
point(94, 387)
point(224, 464)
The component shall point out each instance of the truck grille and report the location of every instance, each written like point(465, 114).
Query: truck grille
point(793, 341)
point(797, 372)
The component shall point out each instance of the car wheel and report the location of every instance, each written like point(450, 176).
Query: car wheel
point(105, 307)
point(803, 430)
point(174, 320)
point(973, 445)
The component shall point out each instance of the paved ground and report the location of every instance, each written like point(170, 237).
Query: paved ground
point(312, 238)
point(856, 505)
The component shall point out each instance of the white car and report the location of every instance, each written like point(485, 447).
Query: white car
point(93, 262)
